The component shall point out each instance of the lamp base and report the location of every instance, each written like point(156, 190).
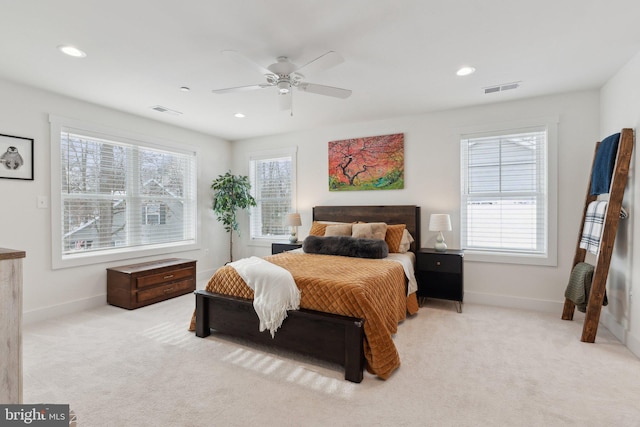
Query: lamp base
point(293, 238)
point(440, 245)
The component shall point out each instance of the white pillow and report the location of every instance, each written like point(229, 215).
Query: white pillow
point(406, 242)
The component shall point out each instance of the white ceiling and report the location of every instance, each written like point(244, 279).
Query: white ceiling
point(400, 55)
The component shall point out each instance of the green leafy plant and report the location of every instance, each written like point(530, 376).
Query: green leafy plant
point(231, 193)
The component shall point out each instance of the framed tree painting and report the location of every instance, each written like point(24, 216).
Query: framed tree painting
point(369, 163)
point(16, 157)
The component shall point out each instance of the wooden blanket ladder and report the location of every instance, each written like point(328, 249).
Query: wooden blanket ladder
point(609, 230)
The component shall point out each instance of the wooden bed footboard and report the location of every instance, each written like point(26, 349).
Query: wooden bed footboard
point(329, 337)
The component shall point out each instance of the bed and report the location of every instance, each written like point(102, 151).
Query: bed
point(347, 340)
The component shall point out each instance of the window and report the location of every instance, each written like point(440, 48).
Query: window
point(506, 207)
point(113, 196)
point(272, 175)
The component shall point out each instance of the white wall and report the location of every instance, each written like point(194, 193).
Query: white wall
point(432, 181)
point(24, 112)
point(620, 108)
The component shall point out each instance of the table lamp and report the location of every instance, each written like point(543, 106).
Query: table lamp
point(294, 221)
point(440, 223)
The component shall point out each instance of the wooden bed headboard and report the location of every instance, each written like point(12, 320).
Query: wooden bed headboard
point(391, 214)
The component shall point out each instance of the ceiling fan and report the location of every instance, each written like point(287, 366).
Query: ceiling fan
point(285, 76)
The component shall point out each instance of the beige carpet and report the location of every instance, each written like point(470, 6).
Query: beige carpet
point(485, 367)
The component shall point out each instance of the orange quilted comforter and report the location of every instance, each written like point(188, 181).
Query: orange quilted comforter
point(374, 290)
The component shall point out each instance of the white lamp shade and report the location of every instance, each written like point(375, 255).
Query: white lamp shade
point(293, 219)
point(439, 222)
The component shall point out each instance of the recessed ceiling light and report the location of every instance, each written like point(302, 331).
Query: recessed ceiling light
point(72, 51)
point(239, 115)
point(465, 71)
point(185, 89)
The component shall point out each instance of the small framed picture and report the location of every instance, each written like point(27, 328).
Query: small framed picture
point(16, 157)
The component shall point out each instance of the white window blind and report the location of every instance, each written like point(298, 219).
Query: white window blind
point(272, 177)
point(118, 195)
point(504, 206)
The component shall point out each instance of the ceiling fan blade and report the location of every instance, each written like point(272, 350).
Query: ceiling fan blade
point(241, 59)
point(336, 92)
point(285, 101)
point(240, 89)
point(323, 62)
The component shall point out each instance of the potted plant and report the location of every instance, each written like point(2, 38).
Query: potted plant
point(231, 192)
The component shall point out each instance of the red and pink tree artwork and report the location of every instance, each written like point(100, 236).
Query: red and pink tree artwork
point(369, 163)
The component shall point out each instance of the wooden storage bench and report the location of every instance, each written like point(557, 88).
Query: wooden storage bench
point(136, 285)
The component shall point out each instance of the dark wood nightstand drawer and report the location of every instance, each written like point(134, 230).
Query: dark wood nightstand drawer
point(442, 263)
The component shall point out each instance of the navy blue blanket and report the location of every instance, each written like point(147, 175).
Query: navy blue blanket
point(603, 164)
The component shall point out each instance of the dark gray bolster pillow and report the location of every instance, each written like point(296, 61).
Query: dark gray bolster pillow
point(346, 246)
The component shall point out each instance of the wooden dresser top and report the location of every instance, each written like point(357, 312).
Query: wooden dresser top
point(11, 254)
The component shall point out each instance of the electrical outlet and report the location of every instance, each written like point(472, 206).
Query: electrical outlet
point(42, 202)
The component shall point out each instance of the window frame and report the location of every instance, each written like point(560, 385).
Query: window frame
point(59, 259)
point(549, 256)
point(266, 155)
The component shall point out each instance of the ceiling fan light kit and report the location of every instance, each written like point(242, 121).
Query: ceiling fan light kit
point(284, 86)
point(285, 75)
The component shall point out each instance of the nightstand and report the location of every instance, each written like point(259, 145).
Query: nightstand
point(440, 275)
point(276, 248)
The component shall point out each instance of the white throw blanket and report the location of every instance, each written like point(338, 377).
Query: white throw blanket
point(274, 290)
point(407, 262)
point(593, 225)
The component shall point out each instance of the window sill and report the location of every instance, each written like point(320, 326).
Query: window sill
point(510, 258)
point(81, 259)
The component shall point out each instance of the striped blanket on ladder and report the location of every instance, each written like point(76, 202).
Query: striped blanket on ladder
point(593, 225)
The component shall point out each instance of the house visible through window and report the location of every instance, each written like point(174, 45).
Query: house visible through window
point(505, 193)
point(272, 177)
point(118, 195)
point(154, 213)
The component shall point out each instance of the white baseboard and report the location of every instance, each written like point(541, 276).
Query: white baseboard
point(514, 302)
point(633, 344)
point(620, 332)
point(40, 314)
point(606, 319)
point(613, 326)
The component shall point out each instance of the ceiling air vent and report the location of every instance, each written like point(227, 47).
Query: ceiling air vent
point(162, 109)
point(502, 87)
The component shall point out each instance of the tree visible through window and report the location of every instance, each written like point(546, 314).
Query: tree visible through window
point(105, 186)
point(272, 179)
